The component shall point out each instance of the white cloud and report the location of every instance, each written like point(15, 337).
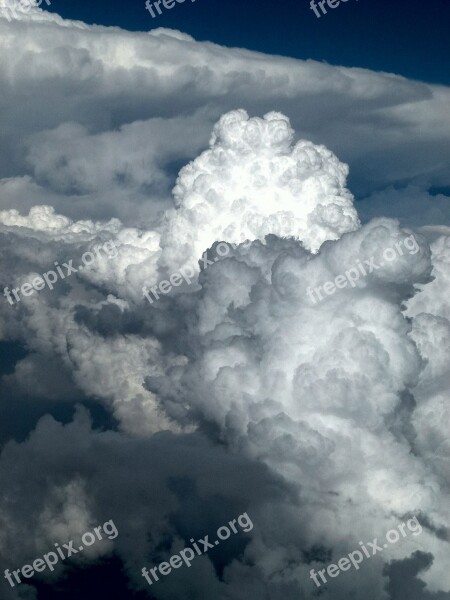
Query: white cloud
point(120, 96)
point(330, 421)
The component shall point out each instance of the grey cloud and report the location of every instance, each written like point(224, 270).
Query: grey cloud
point(403, 581)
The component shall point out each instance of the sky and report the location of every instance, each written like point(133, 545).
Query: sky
point(224, 275)
point(407, 37)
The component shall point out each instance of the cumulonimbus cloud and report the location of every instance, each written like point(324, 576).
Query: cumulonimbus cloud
point(330, 421)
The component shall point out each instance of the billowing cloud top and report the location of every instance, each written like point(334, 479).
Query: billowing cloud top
point(253, 182)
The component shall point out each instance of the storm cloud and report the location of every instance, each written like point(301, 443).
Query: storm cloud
point(327, 423)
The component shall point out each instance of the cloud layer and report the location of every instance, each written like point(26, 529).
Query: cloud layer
point(327, 423)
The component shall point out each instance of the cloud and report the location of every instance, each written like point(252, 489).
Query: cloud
point(131, 91)
point(326, 422)
point(90, 481)
point(403, 578)
point(253, 170)
point(248, 371)
point(412, 206)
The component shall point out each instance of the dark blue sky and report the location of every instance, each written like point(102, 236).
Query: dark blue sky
point(409, 37)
